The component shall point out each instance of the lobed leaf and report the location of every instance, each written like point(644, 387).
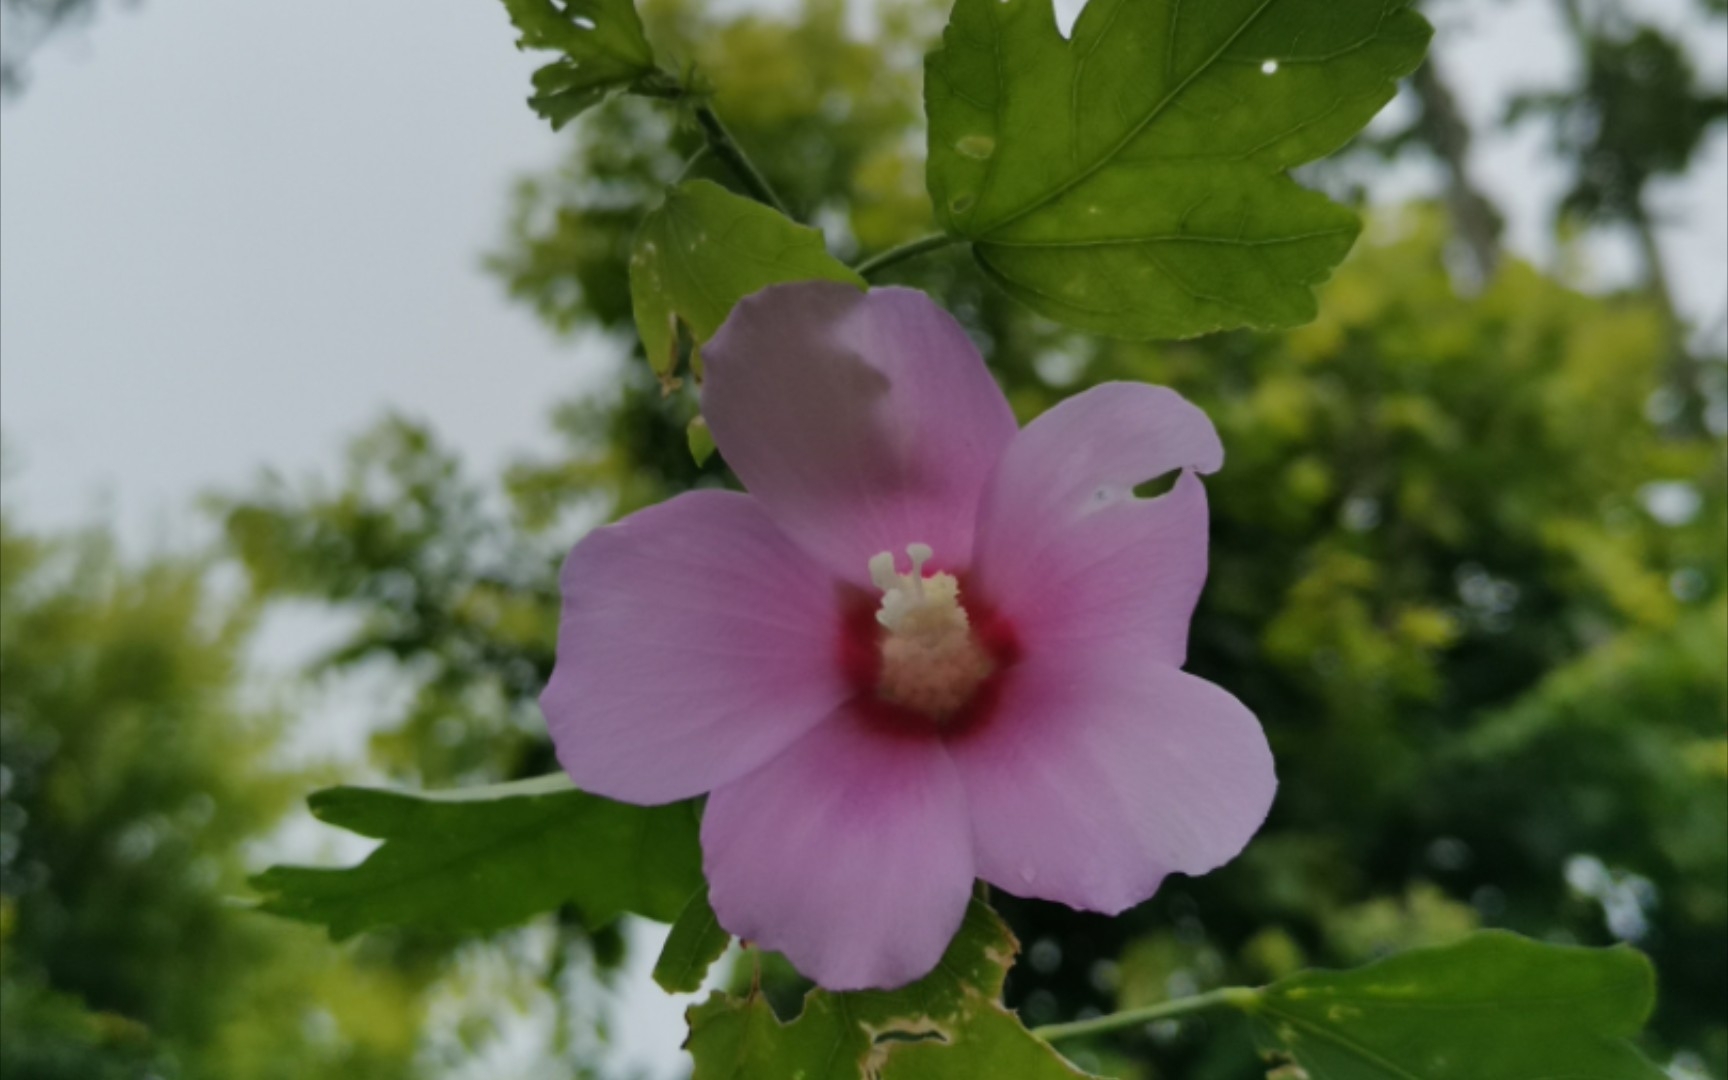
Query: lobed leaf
point(1131, 181)
point(703, 250)
point(604, 46)
point(950, 1023)
point(1495, 1006)
point(480, 859)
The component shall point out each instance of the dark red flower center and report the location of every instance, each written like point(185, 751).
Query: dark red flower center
point(928, 657)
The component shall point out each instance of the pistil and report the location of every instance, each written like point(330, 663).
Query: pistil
point(932, 662)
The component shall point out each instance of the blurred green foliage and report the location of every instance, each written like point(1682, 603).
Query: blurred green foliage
point(134, 779)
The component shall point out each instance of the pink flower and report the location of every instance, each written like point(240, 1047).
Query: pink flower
point(926, 647)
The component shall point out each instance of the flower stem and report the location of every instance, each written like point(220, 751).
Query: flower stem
point(1239, 997)
point(726, 149)
point(912, 250)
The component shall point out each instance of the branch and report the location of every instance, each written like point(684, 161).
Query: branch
point(883, 260)
point(1443, 128)
point(726, 149)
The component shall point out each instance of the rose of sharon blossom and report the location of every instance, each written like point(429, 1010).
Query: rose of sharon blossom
point(927, 646)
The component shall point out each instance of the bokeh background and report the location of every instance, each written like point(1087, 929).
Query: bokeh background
point(316, 356)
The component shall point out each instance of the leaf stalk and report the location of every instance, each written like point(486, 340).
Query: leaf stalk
point(911, 250)
point(1238, 997)
point(726, 148)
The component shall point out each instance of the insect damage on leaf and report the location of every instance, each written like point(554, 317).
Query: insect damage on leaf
point(950, 1023)
point(605, 51)
point(1132, 180)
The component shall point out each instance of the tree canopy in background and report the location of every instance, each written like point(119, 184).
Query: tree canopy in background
point(135, 776)
point(1466, 565)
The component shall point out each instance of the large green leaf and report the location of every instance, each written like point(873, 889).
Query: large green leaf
point(949, 1024)
point(1132, 181)
point(1495, 1006)
point(604, 47)
point(703, 250)
point(479, 859)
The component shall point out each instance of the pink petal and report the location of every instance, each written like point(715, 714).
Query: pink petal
point(1068, 554)
point(1093, 780)
point(850, 853)
point(696, 642)
point(863, 421)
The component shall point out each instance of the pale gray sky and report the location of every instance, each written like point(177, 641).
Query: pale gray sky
point(1491, 49)
point(231, 234)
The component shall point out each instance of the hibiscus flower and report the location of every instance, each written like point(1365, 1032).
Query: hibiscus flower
point(927, 645)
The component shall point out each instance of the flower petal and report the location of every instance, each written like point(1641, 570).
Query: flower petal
point(1091, 782)
point(696, 642)
point(850, 853)
point(1067, 552)
point(863, 421)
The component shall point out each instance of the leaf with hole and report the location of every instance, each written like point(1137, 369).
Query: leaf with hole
point(1132, 181)
point(604, 47)
point(951, 1023)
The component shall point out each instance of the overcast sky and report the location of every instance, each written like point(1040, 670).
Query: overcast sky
point(231, 234)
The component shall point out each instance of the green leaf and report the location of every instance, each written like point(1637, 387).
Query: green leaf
point(696, 941)
point(1495, 1006)
point(992, 1043)
point(949, 1024)
point(703, 250)
point(478, 859)
point(1132, 181)
point(604, 47)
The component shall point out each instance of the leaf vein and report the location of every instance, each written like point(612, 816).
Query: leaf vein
point(1172, 238)
point(1134, 132)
